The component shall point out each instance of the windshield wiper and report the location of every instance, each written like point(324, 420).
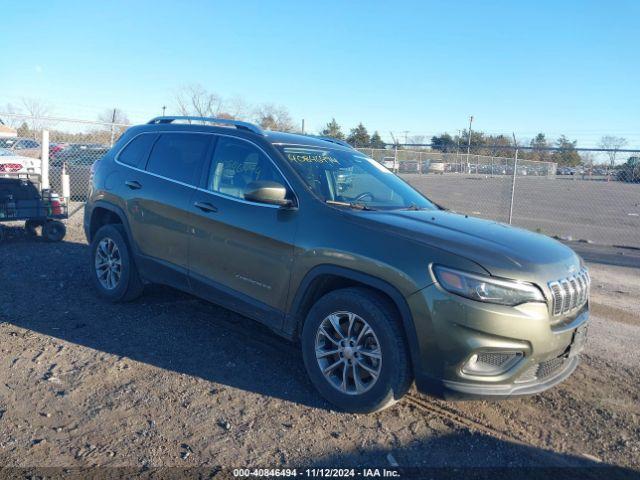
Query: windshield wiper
point(354, 205)
point(413, 206)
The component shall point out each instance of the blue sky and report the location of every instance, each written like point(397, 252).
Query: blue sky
point(558, 67)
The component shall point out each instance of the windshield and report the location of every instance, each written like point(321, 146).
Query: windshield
point(350, 177)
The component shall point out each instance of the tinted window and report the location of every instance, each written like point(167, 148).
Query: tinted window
point(347, 176)
point(236, 164)
point(179, 156)
point(134, 154)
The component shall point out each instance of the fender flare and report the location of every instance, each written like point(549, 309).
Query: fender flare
point(120, 214)
point(293, 320)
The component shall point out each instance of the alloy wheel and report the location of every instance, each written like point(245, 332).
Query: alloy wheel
point(348, 353)
point(108, 263)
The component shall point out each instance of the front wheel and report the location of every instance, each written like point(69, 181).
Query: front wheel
point(354, 350)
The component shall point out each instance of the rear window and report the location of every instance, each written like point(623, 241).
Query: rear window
point(136, 152)
point(179, 156)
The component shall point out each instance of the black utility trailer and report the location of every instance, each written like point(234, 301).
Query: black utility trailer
point(20, 200)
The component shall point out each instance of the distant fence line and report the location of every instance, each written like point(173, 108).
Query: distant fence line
point(419, 161)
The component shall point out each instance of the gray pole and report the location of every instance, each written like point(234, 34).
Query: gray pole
point(513, 179)
point(113, 120)
point(303, 126)
point(469, 144)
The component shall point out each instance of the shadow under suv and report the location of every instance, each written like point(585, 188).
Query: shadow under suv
point(327, 247)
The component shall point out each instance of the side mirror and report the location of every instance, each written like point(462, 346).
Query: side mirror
point(263, 191)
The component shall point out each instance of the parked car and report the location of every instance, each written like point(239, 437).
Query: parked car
point(630, 171)
point(78, 160)
point(12, 165)
point(55, 148)
point(377, 284)
point(25, 147)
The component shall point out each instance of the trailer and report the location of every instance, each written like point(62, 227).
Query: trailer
point(20, 200)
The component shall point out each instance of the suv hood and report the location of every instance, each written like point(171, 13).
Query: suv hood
point(502, 250)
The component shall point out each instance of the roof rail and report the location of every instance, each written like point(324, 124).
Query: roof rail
point(332, 140)
point(222, 121)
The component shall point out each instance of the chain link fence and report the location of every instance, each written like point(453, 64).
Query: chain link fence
point(579, 204)
point(596, 205)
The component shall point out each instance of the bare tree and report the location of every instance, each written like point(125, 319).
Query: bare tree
point(418, 139)
point(612, 143)
point(237, 108)
point(195, 100)
point(35, 110)
point(12, 122)
point(114, 115)
point(274, 117)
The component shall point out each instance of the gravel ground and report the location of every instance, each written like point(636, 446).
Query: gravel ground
point(169, 380)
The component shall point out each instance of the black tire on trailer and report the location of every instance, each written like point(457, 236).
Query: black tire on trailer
point(30, 226)
point(54, 230)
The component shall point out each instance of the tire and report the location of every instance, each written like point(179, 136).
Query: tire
point(31, 226)
point(394, 376)
point(125, 286)
point(53, 231)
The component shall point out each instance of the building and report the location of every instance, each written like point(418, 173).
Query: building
point(7, 131)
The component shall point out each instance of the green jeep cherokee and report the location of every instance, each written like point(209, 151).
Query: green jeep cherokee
point(379, 285)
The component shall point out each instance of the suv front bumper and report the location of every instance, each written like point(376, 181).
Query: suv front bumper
point(452, 330)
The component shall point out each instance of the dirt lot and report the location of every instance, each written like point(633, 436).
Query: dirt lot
point(603, 212)
point(170, 380)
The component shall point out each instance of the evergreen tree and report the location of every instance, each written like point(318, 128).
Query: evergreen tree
point(359, 137)
point(443, 143)
point(333, 130)
point(567, 155)
point(376, 140)
point(539, 144)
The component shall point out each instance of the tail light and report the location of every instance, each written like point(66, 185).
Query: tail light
point(10, 167)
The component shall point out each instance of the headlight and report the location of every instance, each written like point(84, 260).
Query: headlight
point(487, 289)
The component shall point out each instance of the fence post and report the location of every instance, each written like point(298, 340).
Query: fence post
point(395, 158)
point(44, 168)
point(513, 180)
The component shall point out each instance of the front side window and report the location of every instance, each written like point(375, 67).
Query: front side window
point(349, 177)
point(179, 156)
point(236, 164)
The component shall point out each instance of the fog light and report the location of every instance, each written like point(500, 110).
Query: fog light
point(491, 363)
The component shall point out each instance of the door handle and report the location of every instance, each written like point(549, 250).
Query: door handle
point(133, 184)
point(206, 207)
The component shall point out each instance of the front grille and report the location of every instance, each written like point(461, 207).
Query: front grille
point(496, 359)
point(571, 293)
point(549, 367)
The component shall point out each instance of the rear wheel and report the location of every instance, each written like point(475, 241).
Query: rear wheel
point(113, 270)
point(354, 350)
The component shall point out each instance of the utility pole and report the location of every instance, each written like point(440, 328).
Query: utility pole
point(164, 107)
point(469, 144)
point(303, 126)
